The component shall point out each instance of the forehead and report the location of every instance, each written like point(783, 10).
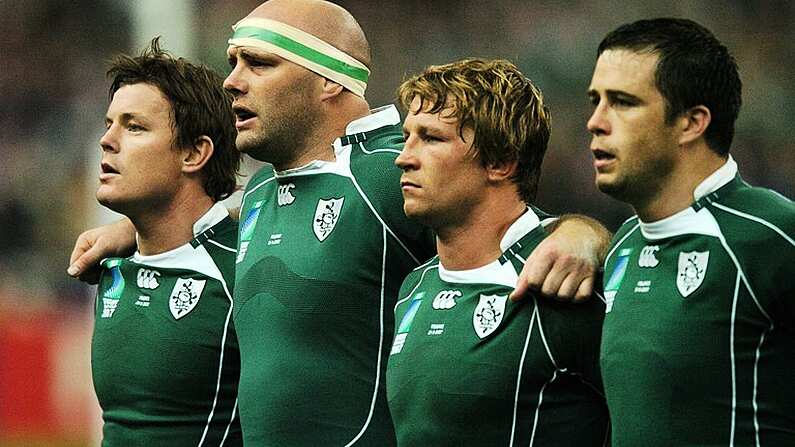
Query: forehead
point(443, 117)
point(625, 70)
point(140, 98)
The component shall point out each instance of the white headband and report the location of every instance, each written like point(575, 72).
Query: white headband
point(303, 49)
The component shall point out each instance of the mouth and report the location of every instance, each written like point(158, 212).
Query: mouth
point(243, 116)
point(107, 171)
point(406, 185)
point(602, 158)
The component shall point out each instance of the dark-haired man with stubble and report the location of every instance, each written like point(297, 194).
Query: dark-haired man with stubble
point(164, 353)
point(698, 345)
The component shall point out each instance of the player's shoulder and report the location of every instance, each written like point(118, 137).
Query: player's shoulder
point(416, 276)
point(262, 177)
point(752, 213)
point(375, 140)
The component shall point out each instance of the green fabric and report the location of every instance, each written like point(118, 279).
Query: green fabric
point(302, 50)
point(447, 386)
point(309, 312)
point(156, 376)
point(675, 364)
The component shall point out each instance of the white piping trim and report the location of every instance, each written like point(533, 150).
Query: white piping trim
point(741, 274)
point(222, 246)
point(229, 425)
point(544, 339)
point(734, 367)
point(380, 345)
point(538, 406)
point(756, 383)
point(220, 362)
point(618, 244)
point(422, 276)
point(757, 220)
point(361, 146)
point(378, 216)
point(519, 377)
point(243, 201)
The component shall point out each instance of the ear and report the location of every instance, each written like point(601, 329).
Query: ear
point(196, 156)
point(331, 90)
point(693, 124)
point(501, 171)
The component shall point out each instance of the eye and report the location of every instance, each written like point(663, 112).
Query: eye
point(132, 127)
point(431, 138)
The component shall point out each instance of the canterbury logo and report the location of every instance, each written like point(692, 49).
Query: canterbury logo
point(446, 299)
point(285, 196)
point(147, 279)
point(647, 258)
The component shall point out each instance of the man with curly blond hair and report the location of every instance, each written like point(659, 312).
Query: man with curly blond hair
point(467, 365)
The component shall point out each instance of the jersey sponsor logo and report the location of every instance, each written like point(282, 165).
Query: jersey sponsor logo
point(327, 214)
point(143, 301)
point(647, 258)
point(185, 296)
point(643, 286)
point(285, 197)
point(446, 299)
point(147, 279)
point(616, 277)
point(488, 314)
point(275, 239)
point(692, 270)
point(110, 299)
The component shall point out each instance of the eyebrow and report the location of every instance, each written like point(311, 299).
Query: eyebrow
point(126, 117)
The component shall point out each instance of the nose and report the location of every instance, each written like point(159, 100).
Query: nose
point(598, 123)
point(406, 160)
point(234, 82)
point(108, 142)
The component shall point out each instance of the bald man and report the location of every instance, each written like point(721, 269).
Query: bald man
point(324, 243)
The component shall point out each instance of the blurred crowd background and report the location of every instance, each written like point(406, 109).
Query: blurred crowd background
point(53, 96)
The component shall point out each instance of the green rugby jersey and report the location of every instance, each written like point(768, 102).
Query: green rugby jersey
point(164, 355)
point(468, 367)
point(322, 252)
point(698, 347)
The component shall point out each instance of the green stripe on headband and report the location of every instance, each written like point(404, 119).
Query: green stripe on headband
point(301, 50)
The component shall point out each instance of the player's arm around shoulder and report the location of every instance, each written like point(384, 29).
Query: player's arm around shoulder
point(566, 264)
point(112, 240)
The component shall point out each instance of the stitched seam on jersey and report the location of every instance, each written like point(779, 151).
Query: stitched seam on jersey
point(756, 382)
point(731, 352)
point(393, 151)
point(220, 362)
point(741, 274)
point(430, 261)
point(757, 220)
point(401, 301)
point(538, 407)
point(519, 378)
point(229, 425)
point(618, 244)
point(222, 246)
point(380, 345)
point(245, 195)
point(378, 216)
point(544, 339)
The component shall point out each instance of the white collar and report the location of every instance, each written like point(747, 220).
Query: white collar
point(689, 221)
point(213, 216)
point(495, 272)
point(387, 115)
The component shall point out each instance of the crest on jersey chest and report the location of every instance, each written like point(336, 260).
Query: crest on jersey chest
point(185, 296)
point(327, 214)
point(692, 270)
point(488, 314)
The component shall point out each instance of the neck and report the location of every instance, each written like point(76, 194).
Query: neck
point(170, 226)
point(318, 144)
point(475, 242)
point(676, 191)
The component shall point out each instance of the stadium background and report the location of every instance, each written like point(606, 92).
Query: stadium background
point(53, 96)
